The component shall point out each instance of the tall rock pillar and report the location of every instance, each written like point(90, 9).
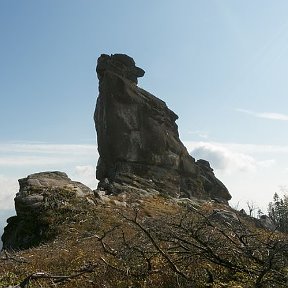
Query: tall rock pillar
point(138, 140)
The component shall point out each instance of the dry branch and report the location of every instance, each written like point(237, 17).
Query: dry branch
point(56, 278)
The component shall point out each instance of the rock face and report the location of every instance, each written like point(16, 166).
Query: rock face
point(41, 199)
point(138, 140)
point(266, 222)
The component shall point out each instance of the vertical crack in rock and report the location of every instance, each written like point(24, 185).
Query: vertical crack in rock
point(138, 139)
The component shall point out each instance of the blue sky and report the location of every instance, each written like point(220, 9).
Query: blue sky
point(221, 65)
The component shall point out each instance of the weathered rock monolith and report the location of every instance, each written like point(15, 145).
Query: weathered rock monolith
point(40, 203)
point(138, 140)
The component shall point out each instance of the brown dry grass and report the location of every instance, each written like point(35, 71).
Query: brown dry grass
point(104, 238)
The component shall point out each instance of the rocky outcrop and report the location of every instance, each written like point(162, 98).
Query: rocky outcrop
point(266, 222)
point(138, 140)
point(39, 204)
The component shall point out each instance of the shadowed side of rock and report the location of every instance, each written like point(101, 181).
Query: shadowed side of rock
point(138, 140)
point(39, 205)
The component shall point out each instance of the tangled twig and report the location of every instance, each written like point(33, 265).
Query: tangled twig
point(56, 278)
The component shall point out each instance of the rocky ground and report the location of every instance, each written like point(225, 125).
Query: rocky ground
point(139, 239)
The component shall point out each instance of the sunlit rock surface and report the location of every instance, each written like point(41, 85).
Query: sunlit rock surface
point(41, 199)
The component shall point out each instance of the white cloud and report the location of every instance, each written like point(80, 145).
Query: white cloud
point(44, 154)
point(9, 187)
point(45, 148)
point(256, 148)
point(265, 115)
point(267, 163)
point(31, 161)
point(250, 172)
point(86, 175)
point(222, 158)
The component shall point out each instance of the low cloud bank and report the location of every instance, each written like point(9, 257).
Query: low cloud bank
point(231, 157)
point(248, 170)
point(222, 158)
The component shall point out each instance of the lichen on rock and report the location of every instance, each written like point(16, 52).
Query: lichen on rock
point(42, 201)
point(138, 139)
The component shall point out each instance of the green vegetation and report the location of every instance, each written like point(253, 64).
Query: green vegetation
point(278, 212)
